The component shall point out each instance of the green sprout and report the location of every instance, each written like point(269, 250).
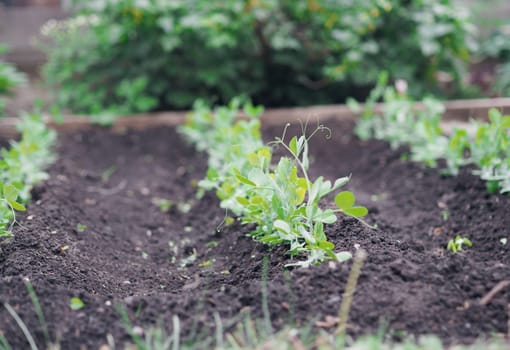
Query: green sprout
point(456, 244)
point(164, 204)
point(107, 173)
point(206, 263)
point(76, 303)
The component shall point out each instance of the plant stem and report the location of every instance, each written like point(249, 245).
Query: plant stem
point(350, 288)
point(265, 302)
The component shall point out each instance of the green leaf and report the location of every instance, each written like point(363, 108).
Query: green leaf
point(306, 235)
point(318, 232)
point(345, 200)
point(17, 206)
point(314, 190)
point(340, 182)
point(325, 245)
point(282, 226)
point(325, 188)
point(451, 246)
point(5, 233)
point(19, 185)
point(76, 303)
point(243, 201)
point(10, 193)
point(245, 180)
point(276, 205)
point(343, 256)
point(330, 253)
point(293, 145)
point(505, 123)
point(327, 217)
point(271, 239)
point(356, 212)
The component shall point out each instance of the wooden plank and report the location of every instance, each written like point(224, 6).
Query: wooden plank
point(462, 110)
point(321, 113)
point(465, 110)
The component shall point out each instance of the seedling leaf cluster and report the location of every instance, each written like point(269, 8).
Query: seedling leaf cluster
point(417, 125)
point(456, 244)
point(278, 197)
point(21, 167)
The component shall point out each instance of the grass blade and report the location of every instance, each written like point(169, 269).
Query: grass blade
point(22, 326)
point(38, 311)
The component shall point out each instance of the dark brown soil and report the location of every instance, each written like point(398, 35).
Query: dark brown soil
point(131, 253)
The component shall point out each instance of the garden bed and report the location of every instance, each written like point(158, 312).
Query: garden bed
point(96, 231)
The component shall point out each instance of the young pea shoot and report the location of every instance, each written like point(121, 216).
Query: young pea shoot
point(286, 207)
point(281, 200)
point(21, 167)
point(403, 121)
point(456, 244)
point(345, 200)
point(164, 205)
point(8, 206)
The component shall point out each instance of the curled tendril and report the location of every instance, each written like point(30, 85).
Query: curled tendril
point(321, 128)
point(325, 129)
point(304, 126)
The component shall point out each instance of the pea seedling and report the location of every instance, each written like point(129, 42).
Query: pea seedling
point(285, 207)
point(282, 201)
point(21, 167)
point(455, 244)
point(418, 126)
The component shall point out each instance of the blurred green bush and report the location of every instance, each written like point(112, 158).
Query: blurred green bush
point(10, 77)
point(497, 47)
point(128, 56)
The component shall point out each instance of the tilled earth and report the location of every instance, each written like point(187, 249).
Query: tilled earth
point(96, 230)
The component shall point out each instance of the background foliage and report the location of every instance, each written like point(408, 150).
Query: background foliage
point(485, 146)
point(129, 56)
point(497, 47)
point(9, 78)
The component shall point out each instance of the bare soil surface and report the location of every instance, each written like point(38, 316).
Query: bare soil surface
point(157, 264)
